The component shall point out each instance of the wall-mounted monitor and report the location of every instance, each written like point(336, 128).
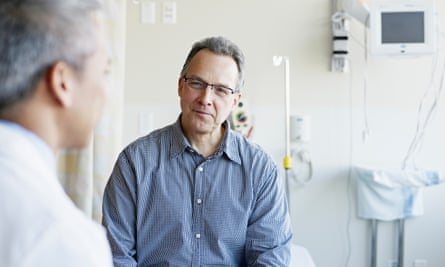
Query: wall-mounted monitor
point(406, 28)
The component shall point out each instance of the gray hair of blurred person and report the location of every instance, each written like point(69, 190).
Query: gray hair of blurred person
point(34, 35)
point(220, 46)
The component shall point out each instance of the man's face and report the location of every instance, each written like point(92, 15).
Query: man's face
point(90, 92)
point(203, 111)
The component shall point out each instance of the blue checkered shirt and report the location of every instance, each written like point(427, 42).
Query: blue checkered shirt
point(167, 205)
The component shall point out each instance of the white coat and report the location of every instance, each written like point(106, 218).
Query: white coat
point(39, 224)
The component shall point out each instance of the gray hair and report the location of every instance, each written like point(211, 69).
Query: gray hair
point(221, 46)
point(34, 35)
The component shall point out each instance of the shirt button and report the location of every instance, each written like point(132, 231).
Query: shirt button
point(198, 236)
point(199, 201)
point(200, 169)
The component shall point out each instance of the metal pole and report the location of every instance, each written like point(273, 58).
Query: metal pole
point(401, 241)
point(286, 181)
point(287, 159)
point(374, 243)
point(287, 108)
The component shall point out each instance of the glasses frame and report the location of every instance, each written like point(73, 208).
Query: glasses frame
point(206, 84)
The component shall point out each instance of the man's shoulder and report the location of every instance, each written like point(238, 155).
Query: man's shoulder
point(247, 149)
point(243, 143)
point(152, 145)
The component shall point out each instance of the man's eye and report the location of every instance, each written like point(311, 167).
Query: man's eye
point(196, 84)
point(222, 90)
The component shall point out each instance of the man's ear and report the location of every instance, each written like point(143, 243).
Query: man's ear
point(180, 86)
point(236, 100)
point(60, 81)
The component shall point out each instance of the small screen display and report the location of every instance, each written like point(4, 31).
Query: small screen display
point(403, 27)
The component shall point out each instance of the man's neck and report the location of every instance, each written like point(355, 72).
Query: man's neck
point(207, 144)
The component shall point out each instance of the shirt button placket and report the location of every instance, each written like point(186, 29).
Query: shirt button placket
point(198, 214)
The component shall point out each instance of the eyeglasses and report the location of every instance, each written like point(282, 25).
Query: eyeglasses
point(199, 85)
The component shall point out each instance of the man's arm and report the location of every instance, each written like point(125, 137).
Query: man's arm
point(269, 232)
point(119, 213)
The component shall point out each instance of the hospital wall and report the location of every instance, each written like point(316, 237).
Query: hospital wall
point(382, 93)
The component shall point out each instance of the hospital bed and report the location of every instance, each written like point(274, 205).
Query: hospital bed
point(300, 257)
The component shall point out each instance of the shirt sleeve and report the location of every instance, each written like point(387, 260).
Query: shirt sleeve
point(269, 232)
point(119, 213)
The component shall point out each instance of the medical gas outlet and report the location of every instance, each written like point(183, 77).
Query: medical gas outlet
point(300, 136)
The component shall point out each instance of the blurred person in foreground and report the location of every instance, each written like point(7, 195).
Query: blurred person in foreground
point(196, 193)
point(53, 66)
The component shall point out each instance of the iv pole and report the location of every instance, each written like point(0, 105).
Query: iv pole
point(287, 161)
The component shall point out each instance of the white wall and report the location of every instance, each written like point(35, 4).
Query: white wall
point(323, 212)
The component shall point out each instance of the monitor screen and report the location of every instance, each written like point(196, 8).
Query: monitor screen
point(402, 29)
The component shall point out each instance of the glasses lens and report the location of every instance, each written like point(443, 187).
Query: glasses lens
point(219, 90)
point(222, 91)
point(196, 84)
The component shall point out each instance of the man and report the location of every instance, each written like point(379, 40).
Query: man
point(195, 193)
point(52, 89)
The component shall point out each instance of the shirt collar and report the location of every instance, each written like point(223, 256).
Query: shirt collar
point(41, 146)
point(228, 145)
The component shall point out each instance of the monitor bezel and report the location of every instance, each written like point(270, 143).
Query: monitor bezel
point(377, 47)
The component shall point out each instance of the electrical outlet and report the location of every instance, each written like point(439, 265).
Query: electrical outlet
point(169, 12)
point(393, 263)
point(148, 12)
point(420, 263)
